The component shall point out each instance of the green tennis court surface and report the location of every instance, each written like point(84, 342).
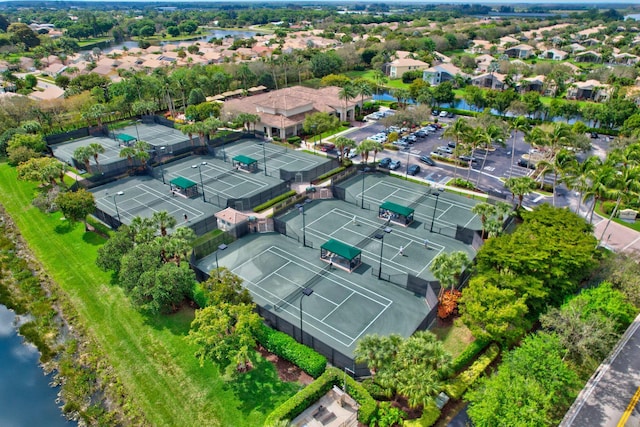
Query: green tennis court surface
point(277, 157)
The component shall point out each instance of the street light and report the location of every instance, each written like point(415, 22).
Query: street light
point(304, 236)
point(201, 182)
point(305, 293)
point(433, 217)
point(162, 149)
point(221, 247)
point(119, 193)
point(380, 237)
point(136, 125)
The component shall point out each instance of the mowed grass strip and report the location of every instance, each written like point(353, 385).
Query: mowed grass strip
point(150, 355)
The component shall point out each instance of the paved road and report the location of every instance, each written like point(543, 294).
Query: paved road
point(610, 390)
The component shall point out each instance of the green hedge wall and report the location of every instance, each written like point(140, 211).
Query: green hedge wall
point(430, 414)
point(281, 344)
point(468, 354)
point(456, 388)
point(314, 391)
point(329, 174)
point(273, 201)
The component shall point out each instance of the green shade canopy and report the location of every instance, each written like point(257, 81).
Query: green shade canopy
point(182, 182)
point(245, 160)
point(396, 208)
point(125, 138)
point(341, 249)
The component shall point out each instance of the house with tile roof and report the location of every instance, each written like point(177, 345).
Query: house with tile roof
point(397, 67)
point(441, 73)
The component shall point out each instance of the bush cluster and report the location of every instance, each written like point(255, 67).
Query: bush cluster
point(456, 388)
point(329, 174)
point(467, 355)
point(294, 140)
point(314, 391)
point(281, 344)
point(462, 183)
point(430, 414)
point(273, 201)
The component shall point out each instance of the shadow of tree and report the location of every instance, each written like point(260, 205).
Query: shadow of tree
point(93, 238)
point(260, 389)
point(64, 227)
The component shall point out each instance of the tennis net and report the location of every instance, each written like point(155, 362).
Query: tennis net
point(297, 293)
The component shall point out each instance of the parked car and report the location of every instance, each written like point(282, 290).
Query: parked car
point(468, 159)
point(395, 164)
point(594, 135)
point(450, 115)
point(421, 134)
point(411, 138)
point(435, 113)
point(351, 153)
point(327, 146)
point(445, 150)
point(443, 114)
point(526, 164)
point(413, 170)
point(384, 163)
point(427, 160)
point(451, 144)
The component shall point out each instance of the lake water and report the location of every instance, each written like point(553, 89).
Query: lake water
point(635, 16)
point(26, 399)
point(219, 34)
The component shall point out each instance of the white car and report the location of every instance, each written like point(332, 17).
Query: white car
point(443, 113)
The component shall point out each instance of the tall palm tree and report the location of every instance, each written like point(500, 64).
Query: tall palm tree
point(577, 176)
point(485, 211)
point(378, 352)
point(127, 153)
point(163, 220)
point(347, 93)
point(379, 78)
point(83, 154)
point(142, 152)
point(96, 149)
point(363, 88)
point(597, 185)
point(457, 131)
point(376, 147)
point(520, 186)
point(364, 148)
point(520, 124)
point(341, 143)
point(189, 129)
point(446, 267)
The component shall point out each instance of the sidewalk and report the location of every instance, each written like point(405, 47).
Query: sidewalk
point(618, 238)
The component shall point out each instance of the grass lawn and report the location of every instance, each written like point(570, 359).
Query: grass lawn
point(150, 356)
point(455, 337)
point(633, 226)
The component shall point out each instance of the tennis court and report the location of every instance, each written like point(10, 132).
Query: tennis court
point(155, 134)
point(343, 306)
point(401, 249)
point(452, 210)
point(276, 157)
point(219, 179)
point(111, 153)
point(142, 196)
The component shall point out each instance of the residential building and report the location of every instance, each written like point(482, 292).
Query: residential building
point(282, 112)
point(398, 67)
point(591, 90)
point(589, 56)
point(441, 73)
point(483, 62)
point(554, 54)
point(522, 51)
point(529, 84)
point(625, 58)
point(489, 80)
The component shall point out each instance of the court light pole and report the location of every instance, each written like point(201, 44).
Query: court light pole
point(221, 247)
point(201, 181)
point(406, 173)
point(305, 293)
point(119, 193)
point(435, 208)
point(136, 125)
point(162, 149)
point(380, 237)
point(304, 236)
point(362, 193)
point(264, 158)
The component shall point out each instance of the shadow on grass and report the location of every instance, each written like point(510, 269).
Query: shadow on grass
point(178, 323)
point(64, 227)
point(260, 389)
point(93, 238)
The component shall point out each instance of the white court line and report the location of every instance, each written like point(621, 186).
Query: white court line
point(383, 302)
point(452, 202)
point(171, 201)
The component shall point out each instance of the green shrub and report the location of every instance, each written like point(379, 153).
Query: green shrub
point(347, 124)
point(314, 391)
point(199, 296)
point(376, 390)
point(294, 140)
point(456, 388)
point(462, 183)
point(275, 200)
point(468, 354)
point(286, 347)
point(329, 174)
point(607, 207)
point(391, 147)
point(430, 414)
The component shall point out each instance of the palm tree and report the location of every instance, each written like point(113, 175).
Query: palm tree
point(598, 180)
point(577, 176)
point(142, 152)
point(163, 220)
point(402, 95)
point(364, 148)
point(520, 124)
point(377, 351)
point(520, 187)
point(211, 125)
point(446, 267)
point(189, 129)
point(96, 149)
point(183, 238)
point(457, 130)
point(343, 142)
point(128, 153)
point(363, 88)
point(379, 78)
point(376, 147)
point(485, 211)
point(83, 154)
point(347, 93)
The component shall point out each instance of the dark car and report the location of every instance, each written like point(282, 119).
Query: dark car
point(326, 147)
point(468, 159)
point(384, 163)
point(435, 112)
point(450, 115)
point(421, 134)
point(594, 135)
point(451, 144)
point(526, 164)
point(428, 160)
point(414, 170)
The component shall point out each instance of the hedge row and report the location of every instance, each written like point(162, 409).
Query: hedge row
point(198, 296)
point(430, 414)
point(329, 174)
point(281, 344)
point(273, 201)
point(314, 391)
point(456, 388)
point(468, 354)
